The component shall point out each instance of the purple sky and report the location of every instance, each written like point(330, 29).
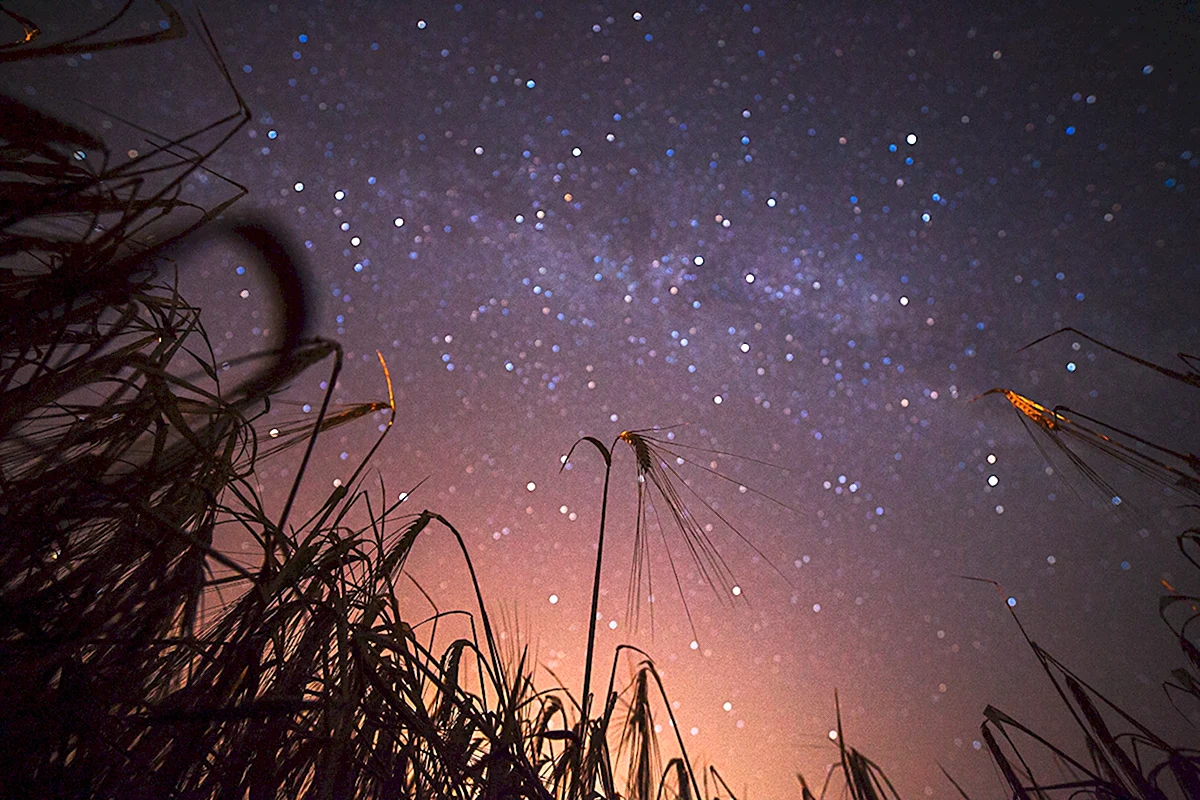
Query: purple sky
point(809, 234)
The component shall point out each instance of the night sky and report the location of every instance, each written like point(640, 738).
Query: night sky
point(808, 234)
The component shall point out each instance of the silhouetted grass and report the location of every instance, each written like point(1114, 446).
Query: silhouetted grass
point(136, 659)
point(1125, 757)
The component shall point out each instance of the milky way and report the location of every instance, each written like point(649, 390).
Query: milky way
point(806, 234)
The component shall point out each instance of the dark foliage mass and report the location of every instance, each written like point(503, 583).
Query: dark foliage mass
point(138, 660)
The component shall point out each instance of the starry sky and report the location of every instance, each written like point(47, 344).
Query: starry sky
point(804, 233)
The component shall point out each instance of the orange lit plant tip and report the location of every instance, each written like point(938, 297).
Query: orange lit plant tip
point(391, 395)
point(641, 450)
point(1033, 410)
point(30, 29)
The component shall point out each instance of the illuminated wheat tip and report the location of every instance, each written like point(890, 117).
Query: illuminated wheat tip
point(641, 451)
point(1035, 411)
point(387, 375)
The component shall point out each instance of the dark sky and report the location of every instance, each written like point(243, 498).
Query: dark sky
point(805, 233)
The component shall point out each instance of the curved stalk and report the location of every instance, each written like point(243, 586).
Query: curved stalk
point(587, 670)
point(585, 708)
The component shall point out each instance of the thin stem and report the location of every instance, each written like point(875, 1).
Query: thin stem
point(493, 651)
point(587, 669)
point(585, 706)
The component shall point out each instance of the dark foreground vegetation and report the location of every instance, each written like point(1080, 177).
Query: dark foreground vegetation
point(137, 660)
